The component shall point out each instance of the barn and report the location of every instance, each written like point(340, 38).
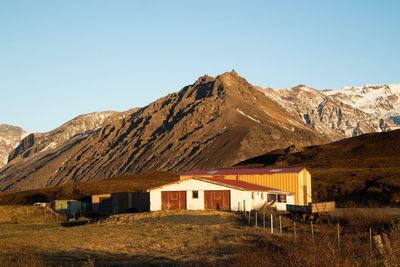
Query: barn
point(201, 193)
point(296, 180)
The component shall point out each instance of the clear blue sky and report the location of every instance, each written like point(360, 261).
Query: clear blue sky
point(59, 59)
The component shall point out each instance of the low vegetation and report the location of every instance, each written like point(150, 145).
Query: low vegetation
point(198, 238)
point(28, 215)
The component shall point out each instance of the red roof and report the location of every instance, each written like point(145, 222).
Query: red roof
point(243, 171)
point(237, 184)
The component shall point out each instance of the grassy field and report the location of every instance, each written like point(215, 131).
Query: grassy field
point(197, 238)
point(137, 239)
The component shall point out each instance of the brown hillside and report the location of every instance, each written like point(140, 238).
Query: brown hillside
point(212, 123)
point(363, 170)
point(128, 183)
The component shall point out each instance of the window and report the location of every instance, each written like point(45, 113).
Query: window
point(252, 195)
point(195, 194)
point(271, 197)
point(262, 195)
point(282, 198)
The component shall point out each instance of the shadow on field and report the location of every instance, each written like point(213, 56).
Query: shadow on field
point(83, 258)
point(190, 219)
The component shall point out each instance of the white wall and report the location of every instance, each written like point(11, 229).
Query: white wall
point(238, 197)
point(188, 186)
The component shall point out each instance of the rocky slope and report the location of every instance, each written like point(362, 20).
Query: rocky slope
point(380, 100)
point(212, 123)
point(37, 144)
point(330, 113)
point(10, 137)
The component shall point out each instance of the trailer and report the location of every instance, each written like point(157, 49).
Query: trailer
point(312, 211)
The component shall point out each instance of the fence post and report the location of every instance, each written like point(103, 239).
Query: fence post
point(264, 220)
point(272, 224)
point(312, 233)
point(249, 216)
point(338, 235)
point(256, 219)
point(294, 229)
point(370, 241)
point(280, 224)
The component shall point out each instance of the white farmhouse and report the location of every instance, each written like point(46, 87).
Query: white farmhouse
point(215, 193)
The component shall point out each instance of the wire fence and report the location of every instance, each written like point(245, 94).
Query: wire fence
point(373, 243)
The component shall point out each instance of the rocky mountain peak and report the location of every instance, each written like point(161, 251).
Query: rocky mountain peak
point(10, 137)
point(76, 128)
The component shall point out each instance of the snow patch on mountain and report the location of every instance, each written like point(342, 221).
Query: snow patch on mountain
point(248, 116)
point(343, 113)
point(380, 100)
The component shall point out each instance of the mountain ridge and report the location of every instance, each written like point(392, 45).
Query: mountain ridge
point(212, 123)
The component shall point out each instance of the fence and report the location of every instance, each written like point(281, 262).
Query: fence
point(372, 242)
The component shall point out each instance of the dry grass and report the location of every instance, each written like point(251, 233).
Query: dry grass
point(136, 239)
point(354, 250)
point(366, 217)
point(27, 214)
point(194, 238)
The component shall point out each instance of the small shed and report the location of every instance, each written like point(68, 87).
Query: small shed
point(69, 207)
point(201, 193)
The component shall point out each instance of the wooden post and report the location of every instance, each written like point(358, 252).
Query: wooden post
point(280, 224)
point(312, 233)
point(370, 241)
point(264, 220)
point(249, 216)
point(381, 250)
point(390, 257)
point(338, 235)
point(272, 224)
point(256, 219)
point(294, 229)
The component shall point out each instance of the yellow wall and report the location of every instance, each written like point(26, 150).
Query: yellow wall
point(291, 182)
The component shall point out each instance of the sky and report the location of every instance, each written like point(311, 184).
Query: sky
point(59, 59)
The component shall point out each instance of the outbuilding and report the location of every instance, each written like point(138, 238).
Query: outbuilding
point(69, 207)
point(120, 202)
point(201, 193)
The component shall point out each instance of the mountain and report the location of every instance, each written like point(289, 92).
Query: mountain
point(380, 100)
point(330, 113)
point(212, 123)
point(360, 171)
point(10, 137)
point(37, 144)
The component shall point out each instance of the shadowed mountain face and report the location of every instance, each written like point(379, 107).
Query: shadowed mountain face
point(363, 170)
point(213, 123)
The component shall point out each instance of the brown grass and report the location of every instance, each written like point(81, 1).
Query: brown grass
point(135, 239)
point(354, 250)
point(28, 215)
point(195, 238)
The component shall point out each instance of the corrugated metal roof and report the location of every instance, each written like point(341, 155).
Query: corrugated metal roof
point(243, 171)
point(235, 184)
point(238, 184)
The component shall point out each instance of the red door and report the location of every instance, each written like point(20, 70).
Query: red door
point(217, 199)
point(173, 200)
